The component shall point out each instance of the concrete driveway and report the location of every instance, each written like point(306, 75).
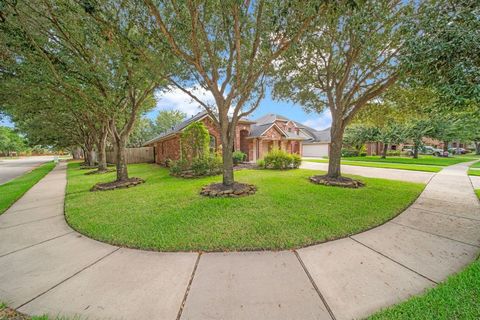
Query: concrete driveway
point(10, 169)
point(371, 172)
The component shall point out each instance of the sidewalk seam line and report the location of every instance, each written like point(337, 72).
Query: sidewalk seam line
point(319, 293)
point(187, 291)
point(36, 244)
point(442, 213)
point(457, 203)
point(393, 260)
point(438, 235)
point(24, 223)
point(68, 278)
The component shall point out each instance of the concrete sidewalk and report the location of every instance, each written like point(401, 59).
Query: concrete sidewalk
point(370, 172)
point(49, 268)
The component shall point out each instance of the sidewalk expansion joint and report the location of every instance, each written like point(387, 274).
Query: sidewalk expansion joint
point(438, 235)
point(24, 223)
point(184, 301)
point(395, 261)
point(36, 244)
point(433, 212)
point(68, 278)
point(320, 295)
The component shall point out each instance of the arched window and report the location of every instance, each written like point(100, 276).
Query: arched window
point(213, 143)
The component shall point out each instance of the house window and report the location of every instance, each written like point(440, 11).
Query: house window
point(213, 143)
point(289, 129)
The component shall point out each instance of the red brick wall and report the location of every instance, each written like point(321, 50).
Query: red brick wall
point(213, 130)
point(168, 149)
point(272, 133)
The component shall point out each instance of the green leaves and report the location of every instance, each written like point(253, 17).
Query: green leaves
point(444, 51)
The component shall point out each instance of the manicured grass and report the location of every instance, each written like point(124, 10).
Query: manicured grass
point(412, 167)
point(476, 165)
point(14, 189)
point(456, 298)
point(474, 169)
point(288, 211)
point(422, 160)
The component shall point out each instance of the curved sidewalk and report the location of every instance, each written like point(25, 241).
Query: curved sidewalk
point(46, 267)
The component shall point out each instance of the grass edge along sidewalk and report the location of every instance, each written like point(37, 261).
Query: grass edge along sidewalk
point(14, 189)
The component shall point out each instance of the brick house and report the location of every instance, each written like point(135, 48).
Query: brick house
point(254, 138)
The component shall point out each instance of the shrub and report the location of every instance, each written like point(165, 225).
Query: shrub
point(207, 166)
point(279, 159)
point(349, 153)
point(261, 163)
point(195, 141)
point(239, 156)
point(179, 166)
point(296, 160)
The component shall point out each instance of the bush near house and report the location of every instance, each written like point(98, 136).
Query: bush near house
point(196, 159)
point(239, 157)
point(279, 159)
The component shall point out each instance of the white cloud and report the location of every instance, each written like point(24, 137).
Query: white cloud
point(177, 99)
point(322, 122)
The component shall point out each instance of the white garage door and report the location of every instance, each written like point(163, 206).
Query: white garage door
point(315, 150)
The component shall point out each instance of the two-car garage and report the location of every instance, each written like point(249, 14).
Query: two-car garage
point(313, 149)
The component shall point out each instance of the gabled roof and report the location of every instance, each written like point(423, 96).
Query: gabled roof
point(270, 118)
point(182, 125)
point(178, 127)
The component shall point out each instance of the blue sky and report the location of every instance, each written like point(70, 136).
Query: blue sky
point(175, 99)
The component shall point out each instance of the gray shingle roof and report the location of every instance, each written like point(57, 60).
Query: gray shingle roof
point(178, 127)
point(259, 126)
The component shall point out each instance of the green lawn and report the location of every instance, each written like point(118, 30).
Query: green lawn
point(476, 165)
point(288, 211)
point(387, 165)
point(14, 189)
point(422, 160)
point(474, 169)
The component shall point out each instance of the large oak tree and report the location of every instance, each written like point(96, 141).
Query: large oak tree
point(349, 59)
point(227, 49)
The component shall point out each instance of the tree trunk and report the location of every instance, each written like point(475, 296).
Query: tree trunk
point(227, 157)
point(385, 150)
point(121, 159)
point(415, 151)
point(102, 155)
point(89, 156)
point(477, 147)
point(335, 150)
point(445, 146)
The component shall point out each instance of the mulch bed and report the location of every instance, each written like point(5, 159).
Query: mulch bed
point(10, 314)
point(337, 182)
point(245, 165)
point(85, 167)
point(237, 190)
point(99, 172)
point(131, 182)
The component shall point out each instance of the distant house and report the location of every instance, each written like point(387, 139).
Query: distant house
point(254, 138)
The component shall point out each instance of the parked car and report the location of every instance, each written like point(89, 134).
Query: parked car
point(425, 150)
point(431, 150)
point(457, 150)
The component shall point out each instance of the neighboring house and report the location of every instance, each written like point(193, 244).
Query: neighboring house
point(254, 138)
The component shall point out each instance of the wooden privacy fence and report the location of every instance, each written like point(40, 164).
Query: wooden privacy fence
point(135, 155)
